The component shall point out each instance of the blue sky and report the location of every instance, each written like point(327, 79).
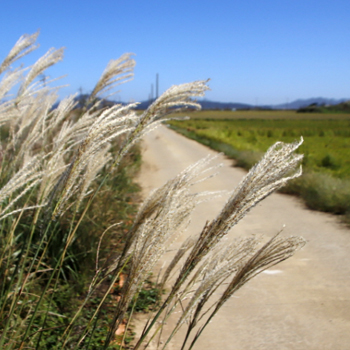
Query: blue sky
point(257, 52)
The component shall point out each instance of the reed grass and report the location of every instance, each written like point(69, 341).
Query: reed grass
point(59, 175)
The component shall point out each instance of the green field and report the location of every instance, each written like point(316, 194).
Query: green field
point(326, 142)
point(267, 114)
point(245, 135)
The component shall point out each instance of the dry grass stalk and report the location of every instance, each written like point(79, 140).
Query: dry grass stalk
point(52, 160)
point(279, 165)
point(23, 46)
point(117, 72)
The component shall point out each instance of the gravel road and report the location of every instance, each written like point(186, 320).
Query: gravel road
point(303, 303)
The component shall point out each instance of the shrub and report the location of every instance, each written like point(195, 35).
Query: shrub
point(329, 162)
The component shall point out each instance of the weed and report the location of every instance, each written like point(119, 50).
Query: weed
point(148, 299)
point(329, 161)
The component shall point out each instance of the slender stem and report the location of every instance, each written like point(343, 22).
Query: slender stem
point(202, 328)
point(116, 276)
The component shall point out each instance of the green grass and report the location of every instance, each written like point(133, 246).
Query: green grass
point(118, 201)
point(267, 114)
point(326, 149)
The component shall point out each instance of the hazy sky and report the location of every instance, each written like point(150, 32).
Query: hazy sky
point(254, 51)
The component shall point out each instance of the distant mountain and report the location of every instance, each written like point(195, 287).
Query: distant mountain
point(81, 100)
point(300, 103)
point(207, 104)
point(319, 101)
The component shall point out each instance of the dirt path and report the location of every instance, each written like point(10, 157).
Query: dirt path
point(303, 303)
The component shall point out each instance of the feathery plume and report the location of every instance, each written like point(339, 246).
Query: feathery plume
point(276, 250)
point(64, 156)
point(23, 46)
point(160, 219)
point(110, 124)
point(215, 269)
point(117, 72)
point(49, 59)
point(186, 245)
point(28, 176)
point(159, 202)
point(101, 158)
point(274, 170)
point(177, 98)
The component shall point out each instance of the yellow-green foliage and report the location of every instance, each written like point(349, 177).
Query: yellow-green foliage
point(326, 147)
point(266, 114)
point(326, 184)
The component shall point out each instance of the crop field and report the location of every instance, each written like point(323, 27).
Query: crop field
point(326, 142)
point(326, 147)
point(267, 114)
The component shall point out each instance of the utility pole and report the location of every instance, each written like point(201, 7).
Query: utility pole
point(157, 85)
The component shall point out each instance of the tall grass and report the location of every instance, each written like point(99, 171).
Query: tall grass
point(58, 174)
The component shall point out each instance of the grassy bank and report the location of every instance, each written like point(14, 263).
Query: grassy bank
point(325, 186)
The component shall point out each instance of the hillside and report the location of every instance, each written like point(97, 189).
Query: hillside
point(212, 105)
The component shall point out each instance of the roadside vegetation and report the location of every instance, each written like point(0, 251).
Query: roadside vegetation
point(265, 114)
point(325, 184)
point(76, 255)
